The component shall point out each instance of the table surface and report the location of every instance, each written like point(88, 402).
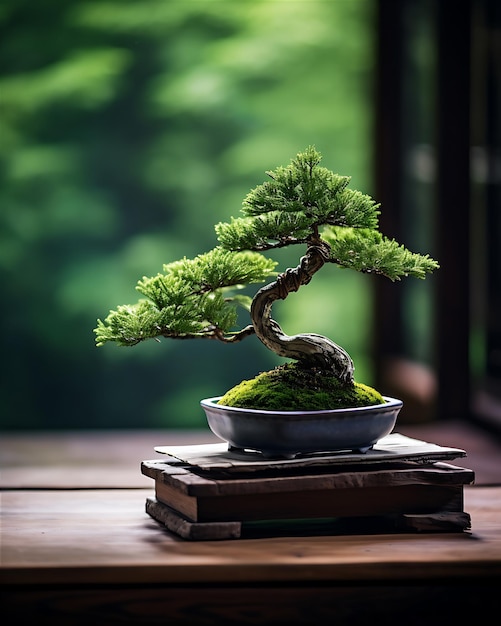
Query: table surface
point(73, 511)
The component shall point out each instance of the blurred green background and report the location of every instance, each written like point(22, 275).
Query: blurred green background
point(127, 130)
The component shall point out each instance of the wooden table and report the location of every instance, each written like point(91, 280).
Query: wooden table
point(77, 545)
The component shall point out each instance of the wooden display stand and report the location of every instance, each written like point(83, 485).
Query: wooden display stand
point(207, 492)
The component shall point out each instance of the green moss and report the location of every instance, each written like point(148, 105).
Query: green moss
point(290, 388)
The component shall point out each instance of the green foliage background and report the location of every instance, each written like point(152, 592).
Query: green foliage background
point(128, 129)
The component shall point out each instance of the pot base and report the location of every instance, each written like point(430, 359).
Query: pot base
point(273, 454)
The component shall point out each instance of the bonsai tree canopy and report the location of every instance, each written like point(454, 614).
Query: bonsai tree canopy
point(303, 204)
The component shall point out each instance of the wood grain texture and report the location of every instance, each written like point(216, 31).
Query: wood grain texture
point(106, 537)
point(373, 501)
point(392, 475)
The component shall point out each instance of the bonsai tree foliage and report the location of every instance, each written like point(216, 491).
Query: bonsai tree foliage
point(303, 204)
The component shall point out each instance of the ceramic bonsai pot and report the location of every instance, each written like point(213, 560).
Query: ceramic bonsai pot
point(288, 433)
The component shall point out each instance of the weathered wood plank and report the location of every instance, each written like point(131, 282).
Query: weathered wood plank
point(446, 521)
point(156, 468)
point(314, 504)
point(395, 522)
point(187, 530)
point(339, 477)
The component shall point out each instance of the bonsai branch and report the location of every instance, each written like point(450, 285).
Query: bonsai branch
point(214, 333)
point(235, 337)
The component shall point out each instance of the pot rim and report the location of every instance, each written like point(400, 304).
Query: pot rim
point(389, 403)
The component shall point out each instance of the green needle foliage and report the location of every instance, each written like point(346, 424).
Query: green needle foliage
point(191, 298)
point(301, 204)
point(297, 201)
point(371, 252)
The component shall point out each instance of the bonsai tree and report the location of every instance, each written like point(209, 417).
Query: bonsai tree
point(303, 204)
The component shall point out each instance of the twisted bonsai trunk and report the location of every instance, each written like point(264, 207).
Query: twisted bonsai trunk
point(310, 349)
